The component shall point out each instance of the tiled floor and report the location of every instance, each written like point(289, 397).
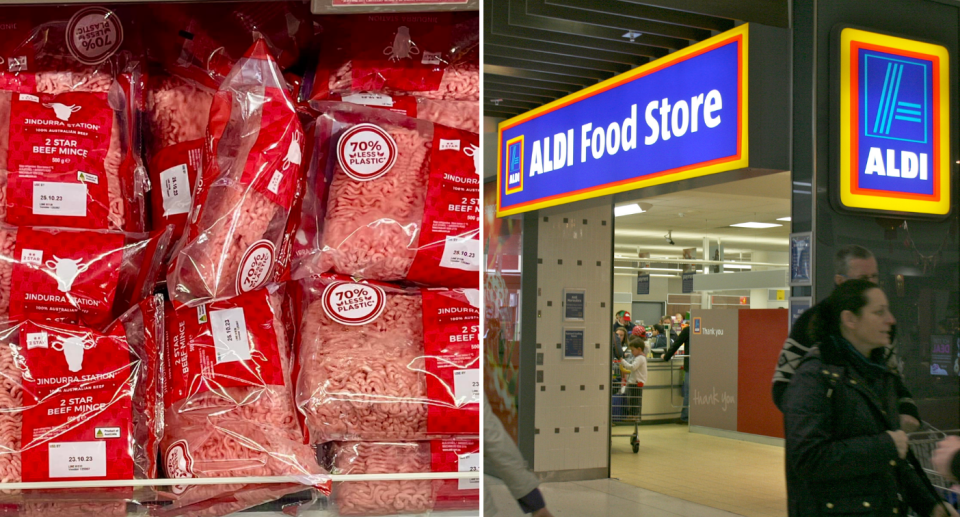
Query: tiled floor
point(601, 498)
point(740, 477)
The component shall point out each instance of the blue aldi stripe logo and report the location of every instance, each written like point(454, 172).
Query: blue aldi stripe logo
point(514, 170)
point(900, 109)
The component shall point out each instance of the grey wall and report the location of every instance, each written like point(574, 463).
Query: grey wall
point(574, 250)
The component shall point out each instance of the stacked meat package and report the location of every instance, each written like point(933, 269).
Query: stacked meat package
point(238, 241)
point(387, 262)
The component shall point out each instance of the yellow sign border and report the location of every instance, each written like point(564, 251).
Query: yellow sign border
point(852, 200)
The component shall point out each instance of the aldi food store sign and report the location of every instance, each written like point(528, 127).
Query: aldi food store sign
point(894, 125)
point(681, 116)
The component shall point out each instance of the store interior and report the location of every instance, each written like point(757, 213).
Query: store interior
point(739, 475)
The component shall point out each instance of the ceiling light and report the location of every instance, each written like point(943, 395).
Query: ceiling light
point(755, 225)
point(787, 219)
point(632, 36)
point(737, 266)
point(627, 210)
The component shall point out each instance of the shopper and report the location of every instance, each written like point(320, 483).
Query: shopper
point(851, 262)
point(660, 340)
point(637, 370)
point(623, 321)
point(619, 340)
point(503, 460)
point(946, 458)
point(841, 420)
point(683, 340)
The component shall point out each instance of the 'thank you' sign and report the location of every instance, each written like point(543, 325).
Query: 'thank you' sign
point(679, 117)
point(894, 125)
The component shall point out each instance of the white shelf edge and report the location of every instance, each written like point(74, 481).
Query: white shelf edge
point(135, 483)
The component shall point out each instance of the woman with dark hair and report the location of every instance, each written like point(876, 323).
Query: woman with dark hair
point(844, 445)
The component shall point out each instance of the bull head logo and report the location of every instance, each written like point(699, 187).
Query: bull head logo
point(66, 271)
point(403, 46)
point(73, 348)
point(294, 152)
point(473, 152)
point(62, 111)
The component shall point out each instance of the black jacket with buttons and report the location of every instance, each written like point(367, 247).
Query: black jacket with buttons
point(837, 447)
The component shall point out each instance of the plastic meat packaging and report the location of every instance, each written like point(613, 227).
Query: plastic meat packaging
point(69, 148)
point(251, 178)
point(390, 198)
point(463, 115)
point(382, 363)
point(81, 404)
point(70, 275)
point(368, 498)
point(229, 404)
point(177, 112)
point(431, 55)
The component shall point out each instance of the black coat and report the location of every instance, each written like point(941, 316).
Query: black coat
point(840, 459)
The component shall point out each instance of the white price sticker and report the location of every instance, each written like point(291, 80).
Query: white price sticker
point(274, 185)
point(175, 189)
point(67, 199)
point(430, 58)
point(466, 386)
point(230, 335)
point(469, 463)
point(78, 459)
point(37, 340)
point(370, 99)
point(461, 253)
point(29, 98)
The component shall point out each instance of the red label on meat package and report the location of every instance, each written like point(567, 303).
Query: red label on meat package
point(456, 456)
point(225, 344)
point(273, 164)
point(451, 342)
point(78, 388)
point(449, 245)
point(58, 144)
point(66, 276)
point(401, 52)
point(173, 172)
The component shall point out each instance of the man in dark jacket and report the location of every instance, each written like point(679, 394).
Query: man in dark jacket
point(851, 262)
point(683, 339)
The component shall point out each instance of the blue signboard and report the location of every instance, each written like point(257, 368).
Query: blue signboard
point(573, 343)
point(643, 284)
point(573, 304)
point(894, 125)
point(798, 305)
point(688, 283)
point(682, 116)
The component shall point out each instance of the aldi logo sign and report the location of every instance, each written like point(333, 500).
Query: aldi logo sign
point(514, 169)
point(894, 125)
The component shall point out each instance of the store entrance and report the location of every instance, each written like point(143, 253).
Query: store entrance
point(720, 250)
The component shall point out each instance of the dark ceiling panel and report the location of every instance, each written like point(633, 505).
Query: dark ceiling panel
point(619, 22)
point(520, 16)
point(497, 18)
point(537, 51)
point(510, 103)
point(646, 12)
point(494, 90)
point(543, 57)
point(540, 75)
point(564, 50)
point(768, 12)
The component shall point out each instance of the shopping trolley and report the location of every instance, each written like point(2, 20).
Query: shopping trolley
point(626, 408)
point(923, 443)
